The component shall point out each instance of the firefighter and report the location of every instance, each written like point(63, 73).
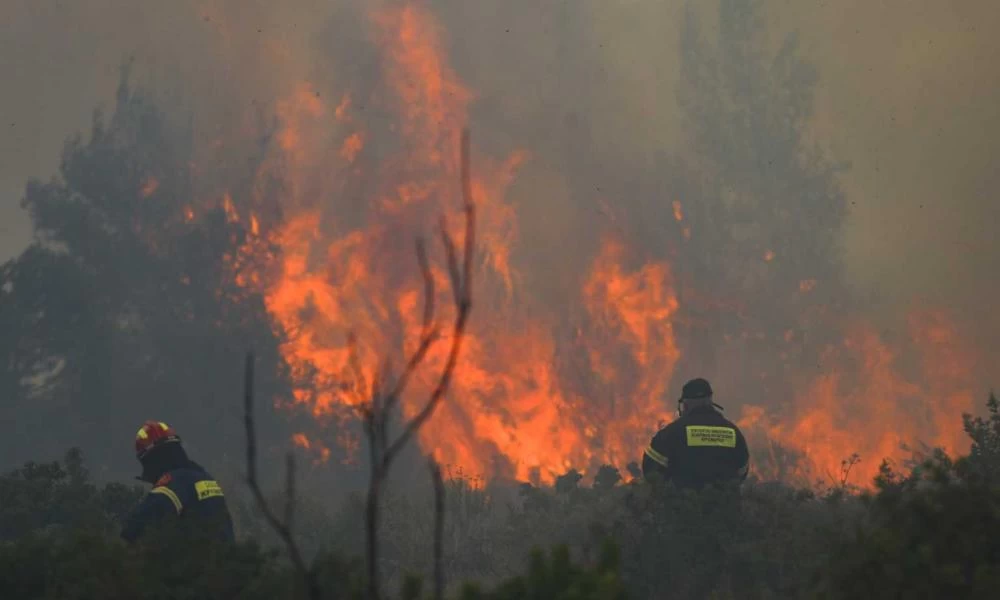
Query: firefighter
point(182, 489)
point(700, 447)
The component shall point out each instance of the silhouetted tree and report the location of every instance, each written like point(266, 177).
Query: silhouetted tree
point(761, 210)
point(125, 307)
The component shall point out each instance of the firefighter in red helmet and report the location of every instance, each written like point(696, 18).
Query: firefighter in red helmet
point(182, 489)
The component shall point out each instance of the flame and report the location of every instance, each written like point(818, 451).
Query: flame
point(149, 187)
point(302, 441)
point(678, 211)
point(632, 348)
point(539, 388)
point(352, 146)
point(227, 204)
point(877, 412)
point(679, 217)
point(515, 408)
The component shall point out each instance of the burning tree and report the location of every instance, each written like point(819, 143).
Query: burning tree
point(726, 262)
point(383, 393)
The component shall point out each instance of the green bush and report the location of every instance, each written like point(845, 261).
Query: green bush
point(53, 495)
point(932, 534)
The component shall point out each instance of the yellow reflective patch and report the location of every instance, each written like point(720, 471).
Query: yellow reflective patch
point(163, 426)
point(169, 493)
point(142, 434)
point(656, 456)
point(207, 489)
point(703, 435)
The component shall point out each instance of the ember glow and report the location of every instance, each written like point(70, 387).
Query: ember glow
point(539, 388)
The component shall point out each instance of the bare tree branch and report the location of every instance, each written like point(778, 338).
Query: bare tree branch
point(450, 253)
point(428, 334)
point(380, 408)
point(282, 528)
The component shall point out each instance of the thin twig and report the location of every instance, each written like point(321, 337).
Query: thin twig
point(470, 218)
point(449, 250)
point(428, 333)
point(283, 529)
point(438, 528)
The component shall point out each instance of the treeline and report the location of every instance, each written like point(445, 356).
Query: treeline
point(928, 533)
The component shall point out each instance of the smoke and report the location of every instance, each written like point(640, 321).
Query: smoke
point(906, 94)
point(590, 90)
point(60, 60)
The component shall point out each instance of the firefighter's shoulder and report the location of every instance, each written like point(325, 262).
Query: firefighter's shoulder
point(669, 436)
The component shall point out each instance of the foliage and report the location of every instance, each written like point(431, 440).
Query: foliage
point(53, 495)
point(90, 565)
point(558, 578)
point(984, 456)
point(931, 532)
point(927, 533)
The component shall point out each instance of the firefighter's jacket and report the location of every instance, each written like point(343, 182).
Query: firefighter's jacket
point(192, 497)
point(699, 448)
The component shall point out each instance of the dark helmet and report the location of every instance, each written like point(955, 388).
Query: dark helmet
point(697, 389)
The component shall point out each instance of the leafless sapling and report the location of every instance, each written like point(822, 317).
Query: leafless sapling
point(383, 398)
point(282, 526)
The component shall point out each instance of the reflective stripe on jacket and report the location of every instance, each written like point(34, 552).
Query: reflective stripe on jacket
point(188, 493)
point(698, 448)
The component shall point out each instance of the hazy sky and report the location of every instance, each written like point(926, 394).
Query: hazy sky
point(908, 95)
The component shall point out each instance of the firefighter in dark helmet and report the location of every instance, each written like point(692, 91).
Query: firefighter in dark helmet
point(700, 447)
point(182, 492)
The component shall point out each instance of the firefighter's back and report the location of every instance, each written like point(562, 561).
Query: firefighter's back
point(704, 448)
point(199, 501)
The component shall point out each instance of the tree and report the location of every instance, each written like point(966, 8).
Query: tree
point(126, 307)
point(757, 227)
point(41, 496)
point(930, 533)
point(984, 456)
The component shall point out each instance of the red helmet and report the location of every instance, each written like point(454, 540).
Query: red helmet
point(151, 435)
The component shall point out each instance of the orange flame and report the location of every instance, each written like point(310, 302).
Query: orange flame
point(149, 187)
point(511, 410)
point(679, 217)
point(227, 204)
point(538, 390)
point(878, 414)
point(302, 441)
